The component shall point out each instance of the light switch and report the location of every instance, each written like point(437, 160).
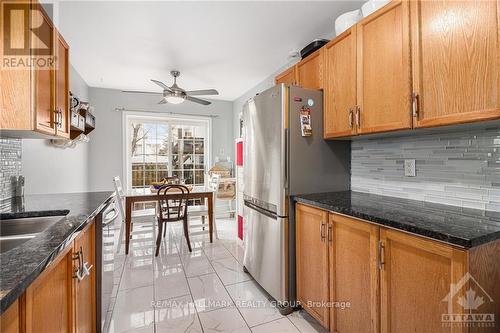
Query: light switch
point(410, 168)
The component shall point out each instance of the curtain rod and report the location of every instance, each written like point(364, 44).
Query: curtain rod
point(168, 112)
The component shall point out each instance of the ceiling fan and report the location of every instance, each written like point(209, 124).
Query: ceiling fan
point(176, 95)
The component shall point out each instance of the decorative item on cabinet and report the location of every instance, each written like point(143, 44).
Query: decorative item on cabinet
point(82, 119)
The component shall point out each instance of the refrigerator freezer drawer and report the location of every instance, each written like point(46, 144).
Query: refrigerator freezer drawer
point(265, 251)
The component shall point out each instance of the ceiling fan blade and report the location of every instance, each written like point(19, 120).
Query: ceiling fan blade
point(163, 101)
point(202, 92)
point(197, 100)
point(161, 84)
point(141, 92)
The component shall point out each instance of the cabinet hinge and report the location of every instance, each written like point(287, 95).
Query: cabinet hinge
point(414, 104)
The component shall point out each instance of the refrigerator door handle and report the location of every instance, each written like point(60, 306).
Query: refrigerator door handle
point(285, 157)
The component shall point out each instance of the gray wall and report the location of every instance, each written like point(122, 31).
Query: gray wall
point(459, 169)
point(106, 144)
point(10, 165)
point(49, 169)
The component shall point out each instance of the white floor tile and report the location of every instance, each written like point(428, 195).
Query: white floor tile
point(196, 265)
point(208, 292)
point(133, 310)
point(137, 273)
point(223, 320)
point(281, 325)
point(253, 303)
point(216, 252)
point(236, 250)
point(230, 271)
point(305, 323)
point(177, 315)
point(170, 285)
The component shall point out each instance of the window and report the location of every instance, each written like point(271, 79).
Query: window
point(159, 147)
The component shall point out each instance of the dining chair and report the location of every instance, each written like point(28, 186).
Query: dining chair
point(172, 210)
point(201, 211)
point(137, 215)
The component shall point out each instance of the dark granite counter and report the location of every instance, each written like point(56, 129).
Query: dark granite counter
point(458, 226)
point(20, 266)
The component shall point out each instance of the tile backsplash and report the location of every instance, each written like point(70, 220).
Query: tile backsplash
point(459, 169)
point(10, 165)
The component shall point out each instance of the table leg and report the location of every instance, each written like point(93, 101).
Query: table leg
point(128, 221)
point(211, 216)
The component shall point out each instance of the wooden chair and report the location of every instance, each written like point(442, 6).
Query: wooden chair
point(137, 215)
point(170, 210)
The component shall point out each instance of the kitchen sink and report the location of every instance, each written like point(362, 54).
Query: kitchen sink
point(15, 232)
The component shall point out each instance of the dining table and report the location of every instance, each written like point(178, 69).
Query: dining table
point(134, 195)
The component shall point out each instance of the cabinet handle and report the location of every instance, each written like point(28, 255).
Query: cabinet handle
point(350, 117)
point(330, 237)
point(322, 231)
point(381, 255)
point(358, 116)
point(414, 104)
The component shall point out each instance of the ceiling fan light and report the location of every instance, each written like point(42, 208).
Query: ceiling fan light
point(174, 99)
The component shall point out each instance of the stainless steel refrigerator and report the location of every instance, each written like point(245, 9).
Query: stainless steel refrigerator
point(280, 162)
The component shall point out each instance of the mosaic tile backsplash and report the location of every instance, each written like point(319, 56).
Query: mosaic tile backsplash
point(10, 165)
point(459, 169)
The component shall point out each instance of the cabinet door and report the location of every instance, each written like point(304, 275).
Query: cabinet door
point(340, 85)
point(312, 262)
point(455, 61)
point(62, 87)
point(43, 83)
point(354, 274)
point(287, 77)
point(49, 298)
point(415, 280)
point(10, 319)
point(85, 302)
point(384, 85)
point(310, 71)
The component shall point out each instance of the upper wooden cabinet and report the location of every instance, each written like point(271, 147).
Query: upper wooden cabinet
point(383, 63)
point(456, 59)
point(312, 261)
point(35, 101)
point(310, 71)
point(289, 76)
point(339, 57)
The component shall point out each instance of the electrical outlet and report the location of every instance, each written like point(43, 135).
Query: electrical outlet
point(410, 168)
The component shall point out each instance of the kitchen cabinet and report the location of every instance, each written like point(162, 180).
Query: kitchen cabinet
point(393, 281)
point(49, 304)
point(416, 275)
point(35, 101)
point(289, 76)
point(312, 261)
point(456, 59)
point(310, 71)
point(340, 85)
point(84, 290)
point(354, 275)
point(10, 319)
point(383, 70)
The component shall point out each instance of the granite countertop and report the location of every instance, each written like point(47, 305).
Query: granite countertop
point(20, 266)
point(458, 226)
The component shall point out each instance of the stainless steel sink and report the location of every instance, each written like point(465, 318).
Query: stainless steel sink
point(15, 232)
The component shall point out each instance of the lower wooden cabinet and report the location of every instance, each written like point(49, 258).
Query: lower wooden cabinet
point(312, 263)
point(59, 301)
point(383, 280)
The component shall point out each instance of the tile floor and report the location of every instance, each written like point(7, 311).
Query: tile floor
point(202, 291)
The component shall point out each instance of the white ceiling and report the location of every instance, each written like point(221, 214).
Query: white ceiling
point(230, 46)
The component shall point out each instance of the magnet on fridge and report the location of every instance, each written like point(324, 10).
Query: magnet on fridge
point(305, 121)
